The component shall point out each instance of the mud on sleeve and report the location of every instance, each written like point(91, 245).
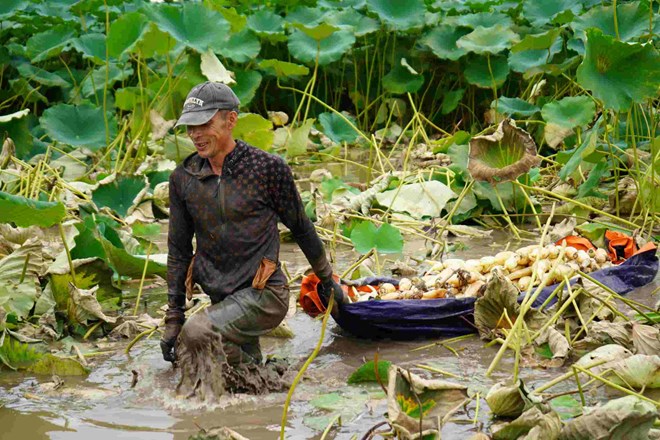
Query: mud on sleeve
point(179, 242)
point(290, 209)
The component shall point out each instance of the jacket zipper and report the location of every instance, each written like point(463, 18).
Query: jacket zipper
point(221, 200)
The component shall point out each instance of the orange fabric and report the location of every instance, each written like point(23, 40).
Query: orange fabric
point(620, 246)
point(647, 247)
point(309, 296)
point(579, 243)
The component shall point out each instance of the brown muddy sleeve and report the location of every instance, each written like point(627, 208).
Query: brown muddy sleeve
point(179, 242)
point(290, 209)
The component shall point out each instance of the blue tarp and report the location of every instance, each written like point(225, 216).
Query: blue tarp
point(413, 319)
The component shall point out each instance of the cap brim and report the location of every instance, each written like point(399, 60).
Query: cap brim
point(196, 118)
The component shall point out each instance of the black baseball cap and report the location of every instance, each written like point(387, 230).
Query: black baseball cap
point(204, 100)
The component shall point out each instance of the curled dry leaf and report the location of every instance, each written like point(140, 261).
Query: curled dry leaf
point(499, 295)
point(532, 424)
point(85, 306)
point(645, 339)
point(638, 371)
point(159, 125)
point(503, 155)
point(557, 342)
point(510, 400)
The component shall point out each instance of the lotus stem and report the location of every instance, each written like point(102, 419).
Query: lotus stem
point(579, 385)
point(92, 329)
point(505, 213)
point(617, 387)
point(556, 316)
point(300, 374)
point(476, 410)
point(564, 376)
point(337, 419)
point(148, 332)
point(24, 270)
point(144, 274)
point(68, 254)
point(437, 370)
point(446, 341)
point(531, 204)
point(353, 266)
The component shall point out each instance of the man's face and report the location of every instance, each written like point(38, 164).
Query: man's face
point(215, 136)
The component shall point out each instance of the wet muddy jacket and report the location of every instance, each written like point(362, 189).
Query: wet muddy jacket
point(234, 219)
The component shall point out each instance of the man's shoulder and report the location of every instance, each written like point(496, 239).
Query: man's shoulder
point(263, 159)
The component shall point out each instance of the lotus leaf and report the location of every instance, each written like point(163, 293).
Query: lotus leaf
point(500, 295)
point(534, 61)
point(442, 42)
point(296, 141)
point(50, 364)
point(81, 125)
point(125, 33)
point(155, 42)
point(347, 4)
point(627, 417)
point(21, 87)
point(570, 112)
point(491, 40)
point(266, 23)
point(306, 49)
point(425, 199)
point(306, 16)
point(27, 212)
point(405, 392)
point(9, 7)
point(557, 342)
point(84, 306)
point(359, 24)
point(367, 373)
point(247, 84)
point(481, 74)
point(639, 371)
point(213, 70)
point(451, 100)
point(90, 273)
point(483, 19)
point(242, 47)
point(19, 282)
point(122, 194)
point(16, 355)
point(607, 332)
point(540, 12)
point(91, 46)
point(48, 44)
point(192, 24)
point(514, 106)
point(337, 129)
point(510, 400)
point(645, 339)
point(533, 424)
point(505, 154)
point(105, 76)
point(632, 20)
point(587, 147)
point(386, 239)
point(399, 14)
point(604, 356)
point(346, 403)
point(619, 73)
point(255, 130)
point(33, 73)
point(401, 80)
point(284, 69)
point(318, 32)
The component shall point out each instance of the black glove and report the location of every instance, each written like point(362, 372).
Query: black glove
point(331, 287)
point(174, 319)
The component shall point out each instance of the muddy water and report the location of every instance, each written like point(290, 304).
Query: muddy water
point(104, 406)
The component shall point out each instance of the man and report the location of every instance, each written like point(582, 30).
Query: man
point(230, 195)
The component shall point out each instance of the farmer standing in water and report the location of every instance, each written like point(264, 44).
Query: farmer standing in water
point(230, 196)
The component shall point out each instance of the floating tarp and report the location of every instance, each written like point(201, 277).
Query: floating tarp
point(412, 319)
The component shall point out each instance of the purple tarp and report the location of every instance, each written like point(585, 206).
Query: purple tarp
point(412, 319)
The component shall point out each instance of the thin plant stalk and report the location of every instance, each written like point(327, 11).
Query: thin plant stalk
point(144, 273)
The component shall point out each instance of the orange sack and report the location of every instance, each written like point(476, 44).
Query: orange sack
point(579, 243)
point(619, 246)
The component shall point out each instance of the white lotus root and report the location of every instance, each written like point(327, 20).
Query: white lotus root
point(526, 267)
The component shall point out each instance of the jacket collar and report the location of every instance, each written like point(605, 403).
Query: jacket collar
point(201, 167)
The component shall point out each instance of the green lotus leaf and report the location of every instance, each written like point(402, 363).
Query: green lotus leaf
point(48, 44)
point(247, 84)
point(91, 46)
point(21, 87)
point(19, 282)
point(25, 212)
point(154, 42)
point(283, 69)
point(455, 6)
point(399, 14)
point(33, 73)
point(99, 79)
point(632, 20)
point(514, 106)
point(318, 32)
point(386, 239)
point(540, 12)
point(484, 19)
point(242, 47)
point(129, 265)
point(401, 80)
point(255, 130)
point(625, 417)
point(588, 146)
point(569, 112)
point(120, 194)
point(78, 125)
point(129, 98)
point(16, 355)
point(306, 16)
point(451, 100)
point(125, 32)
point(476, 71)
point(51, 365)
point(367, 373)
point(192, 24)
point(9, 7)
point(359, 24)
point(505, 153)
point(533, 61)
point(236, 20)
point(492, 40)
point(266, 23)
point(419, 200)
point(17, 127)
point(619, 73)
point(338, 4)
point(331, 49)
point(337, 129)
point(537, 41)
point(442, 41)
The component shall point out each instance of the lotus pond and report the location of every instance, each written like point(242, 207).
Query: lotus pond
point(448, 145)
